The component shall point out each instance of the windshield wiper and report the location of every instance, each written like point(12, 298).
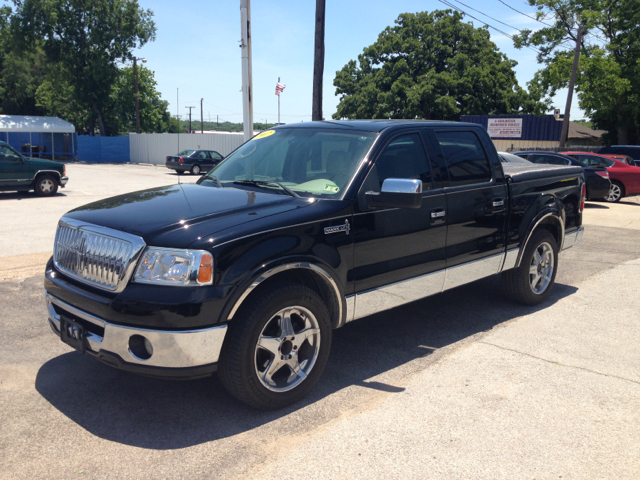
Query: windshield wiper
point(259, 183)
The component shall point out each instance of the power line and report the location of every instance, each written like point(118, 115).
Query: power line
point(481, 13)
point(485, 23)
point(521, 13)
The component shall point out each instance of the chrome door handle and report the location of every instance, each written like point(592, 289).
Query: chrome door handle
point(437, 214)
point(498, 203)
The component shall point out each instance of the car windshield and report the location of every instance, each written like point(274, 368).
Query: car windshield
point(186, 153)
point(308, 161)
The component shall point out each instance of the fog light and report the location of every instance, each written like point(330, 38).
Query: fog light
point(140, 347)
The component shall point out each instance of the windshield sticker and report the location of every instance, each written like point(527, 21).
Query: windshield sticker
point(331, 187)
point(264, 134)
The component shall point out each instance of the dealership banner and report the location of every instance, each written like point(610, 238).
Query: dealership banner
point(505, 127)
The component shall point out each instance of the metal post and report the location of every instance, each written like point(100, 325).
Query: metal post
point(572, 82)
point(53, 148)
point(201, 117)
point(189, 117)
point(135, 74)
point(278, 104)
point(247, 106)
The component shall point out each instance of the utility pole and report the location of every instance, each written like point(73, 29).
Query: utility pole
point(245, 45)
point(189, 117)
point(278, 103)
point(572, 82)
point(318, 62)
point(201, 117)
point(135, 74)
point(217, 122)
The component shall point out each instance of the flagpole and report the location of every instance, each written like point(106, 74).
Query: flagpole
point(278, 104)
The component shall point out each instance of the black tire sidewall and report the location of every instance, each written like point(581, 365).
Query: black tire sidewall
point(247, 327)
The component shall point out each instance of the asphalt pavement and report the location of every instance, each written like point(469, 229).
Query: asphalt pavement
point(460, 385)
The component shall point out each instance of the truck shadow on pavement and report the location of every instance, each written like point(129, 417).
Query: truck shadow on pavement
point(163, 414)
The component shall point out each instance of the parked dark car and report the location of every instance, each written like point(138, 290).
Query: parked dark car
point(302, 229)
point(194, 161)
point(20, 173)
point(631, 150)
point(598, 182)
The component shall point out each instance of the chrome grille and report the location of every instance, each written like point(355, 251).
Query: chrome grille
point(98, 256)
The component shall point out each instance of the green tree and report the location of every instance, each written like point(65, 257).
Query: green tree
point(608, 81)
point(431, 66)
point(87, 38)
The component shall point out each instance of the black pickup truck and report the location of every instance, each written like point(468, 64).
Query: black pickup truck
point(299, 231)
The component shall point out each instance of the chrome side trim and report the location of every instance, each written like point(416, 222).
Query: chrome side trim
point(572, 238)
point(15, 180)
point(510, 259)
point(350, 300)
point(171, 349)
point(390, 296)
point(472, 271)
point(290, 266)
point(524, 244)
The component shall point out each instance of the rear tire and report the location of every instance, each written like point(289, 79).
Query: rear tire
point(196, 170)
point(276, 347)
point(532, 281)
point(46, 185)
point(616, 192)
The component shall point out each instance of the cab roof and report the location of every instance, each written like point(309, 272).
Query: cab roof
point(375, 125)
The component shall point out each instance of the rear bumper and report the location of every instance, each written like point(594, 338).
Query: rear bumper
point(598, 187)
point(183, 354)
point(572, 238)
point(176, 166)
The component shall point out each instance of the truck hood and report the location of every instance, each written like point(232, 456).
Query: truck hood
point(177, 215)
point(45, 164)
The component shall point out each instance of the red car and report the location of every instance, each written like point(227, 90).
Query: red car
point(625, 179)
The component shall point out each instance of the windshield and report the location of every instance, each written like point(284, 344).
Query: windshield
point(186, 153)
point(311, 162)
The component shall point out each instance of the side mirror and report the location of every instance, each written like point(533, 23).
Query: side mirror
point(396, 193)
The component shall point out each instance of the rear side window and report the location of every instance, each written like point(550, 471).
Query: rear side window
point(548, 160)
point(215, 155)
point(466, 161)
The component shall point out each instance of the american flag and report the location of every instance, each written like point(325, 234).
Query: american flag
point(279, 88)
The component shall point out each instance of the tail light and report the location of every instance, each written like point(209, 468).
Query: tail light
point(167, 159)
point(604, 174)
point(583, 196)
point(181, 160)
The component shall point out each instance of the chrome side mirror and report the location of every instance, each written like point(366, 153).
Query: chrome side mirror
point(396, 193)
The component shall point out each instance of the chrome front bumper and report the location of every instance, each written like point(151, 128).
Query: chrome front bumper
point(64, 180)
point(571, 239)
point(171, 349)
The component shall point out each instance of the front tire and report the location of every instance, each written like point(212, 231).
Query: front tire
point(195, 170)
point(276, 347)
point(46, 185)
point(616, 192)
point(532, 281)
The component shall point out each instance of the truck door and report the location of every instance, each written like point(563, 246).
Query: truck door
point(477, 201)
point(14, 171)
point(396, 244)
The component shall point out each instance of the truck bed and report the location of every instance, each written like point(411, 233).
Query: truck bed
point(520, 173)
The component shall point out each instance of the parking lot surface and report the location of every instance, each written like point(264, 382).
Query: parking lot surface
point(460, 385)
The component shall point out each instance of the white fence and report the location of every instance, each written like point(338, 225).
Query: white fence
point(155, 147)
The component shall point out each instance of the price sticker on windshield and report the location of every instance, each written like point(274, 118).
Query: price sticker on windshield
point(331, 187)
point(268, 133)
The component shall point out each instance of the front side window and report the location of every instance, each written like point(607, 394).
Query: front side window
point(403, 157)
point(8, 155)
point(466, 161)
point(310, 161)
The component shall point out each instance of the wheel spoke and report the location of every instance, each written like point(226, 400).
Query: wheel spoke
point(286, 328)
point(538, 257)
point(275, 365)
point(297, 371)
point(533, 270)
point(535, 280)
point(270, 344)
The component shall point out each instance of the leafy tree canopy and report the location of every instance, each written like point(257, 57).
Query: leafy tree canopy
point(431, 66)
point(608, 82)
point(88, 39)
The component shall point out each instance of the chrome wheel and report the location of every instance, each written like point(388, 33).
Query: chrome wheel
point(195, 170)
point(615, 193)
point(541, 268)
point(46, 186)
point(287, 348)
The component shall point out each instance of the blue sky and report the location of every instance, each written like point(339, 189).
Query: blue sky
point(197, 50)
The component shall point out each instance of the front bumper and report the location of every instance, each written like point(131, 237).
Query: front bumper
point(189, 353)
point(64, 181)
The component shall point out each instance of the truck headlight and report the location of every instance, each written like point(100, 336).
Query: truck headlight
point(166, 266)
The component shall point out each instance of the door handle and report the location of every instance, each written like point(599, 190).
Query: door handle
point(437, 213)
point(498, 202)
